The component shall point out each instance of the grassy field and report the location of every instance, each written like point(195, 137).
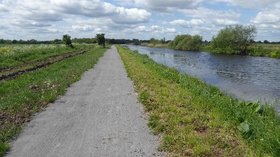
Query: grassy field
point(265, 50)
point(31, 92)
point(195, 119)
point(13, 55)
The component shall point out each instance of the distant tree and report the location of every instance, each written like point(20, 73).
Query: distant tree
point(101, 39)
point(32, 41)
point(14, 42)
point(234, 39)
point(57, 41)
point(136, 41)
point(266, 42)
point(67, 40)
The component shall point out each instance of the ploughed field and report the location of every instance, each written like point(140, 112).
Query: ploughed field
point(19, 59)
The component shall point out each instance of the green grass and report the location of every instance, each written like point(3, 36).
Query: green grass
point(13, 55)
point(196, 119)
point(257, 49)
point(265, 50)
point(31, 92)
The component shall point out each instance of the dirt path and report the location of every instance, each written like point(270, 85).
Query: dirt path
point(98, 117)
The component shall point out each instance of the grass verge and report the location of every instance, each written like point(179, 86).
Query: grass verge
point(31, 92)
point(196, 119)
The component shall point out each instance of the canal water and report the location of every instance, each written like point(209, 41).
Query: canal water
point(245, 77)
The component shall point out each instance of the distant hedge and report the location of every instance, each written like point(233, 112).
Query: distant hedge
point(186, 42)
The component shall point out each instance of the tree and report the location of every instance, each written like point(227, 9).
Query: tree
point(234, 39)
point(100, 39)
point(67, 40)
point(266, 41)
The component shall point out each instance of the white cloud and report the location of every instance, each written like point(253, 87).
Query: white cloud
point(185, 23)
point(210, 14)
point(206, 22)
point(150, 29)
point(163, 6)
point(225, 22)
point(35, 12)
point(268, 17)
point(250, 3)
point(267, 21)
point(133, 18)
point(132, 15)
point(27, 16)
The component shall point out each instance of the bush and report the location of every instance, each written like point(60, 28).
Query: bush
point(67, 40)
point(234, 39)
point(101, 39)
point(186, 43)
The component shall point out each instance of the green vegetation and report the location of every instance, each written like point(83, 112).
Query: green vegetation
point(265, 50)
point(31, 92)
point(101, 39)
point(186, 43)
point(84, 40)
point(67, 40)
point(233, 40)
point(196, 119)
point(13, 55)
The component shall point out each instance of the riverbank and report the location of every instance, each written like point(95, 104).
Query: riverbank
point(30, 93)
point(257, 50)
point(196, 119)
point(159, 45)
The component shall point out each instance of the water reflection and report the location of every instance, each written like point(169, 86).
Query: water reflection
point(246, 77)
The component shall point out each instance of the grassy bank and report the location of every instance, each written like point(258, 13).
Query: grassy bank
point(31, 92)
point(257, 50)
point(265, 50)
point(196, 119)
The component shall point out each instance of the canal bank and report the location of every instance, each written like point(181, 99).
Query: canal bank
point(244, 77)
point(196, 119)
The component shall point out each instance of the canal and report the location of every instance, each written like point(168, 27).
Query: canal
point(244, 77)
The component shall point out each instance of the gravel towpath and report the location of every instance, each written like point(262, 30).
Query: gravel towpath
point(99, 116)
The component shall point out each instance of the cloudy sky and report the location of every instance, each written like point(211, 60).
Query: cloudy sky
point(143, 19)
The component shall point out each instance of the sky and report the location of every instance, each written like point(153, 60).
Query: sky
point(141, 19)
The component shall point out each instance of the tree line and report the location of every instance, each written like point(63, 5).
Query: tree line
point(230, 40)
point(234, 39)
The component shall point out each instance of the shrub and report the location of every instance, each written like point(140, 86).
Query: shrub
point(186, 43)
point(234, 39)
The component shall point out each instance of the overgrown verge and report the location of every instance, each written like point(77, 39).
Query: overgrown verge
point(196, 119)
point(30, 93)
point(16, 55)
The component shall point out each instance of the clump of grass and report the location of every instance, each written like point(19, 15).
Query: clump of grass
point(30, 93)
point(196, 119)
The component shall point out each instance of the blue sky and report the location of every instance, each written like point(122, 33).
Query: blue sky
point(143, 19)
